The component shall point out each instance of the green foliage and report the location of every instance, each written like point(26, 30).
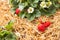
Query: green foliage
point(9, 26)
point(38, 11)
point(6, 32)
point(6, 35)
point(22, 14)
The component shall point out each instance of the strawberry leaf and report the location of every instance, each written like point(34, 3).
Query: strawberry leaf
point(9, 25)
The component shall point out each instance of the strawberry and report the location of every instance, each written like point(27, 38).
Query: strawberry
point(47, 24)
point(17, 11)
point(41, 27)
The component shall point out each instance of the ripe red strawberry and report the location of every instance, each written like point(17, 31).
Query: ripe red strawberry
point(47, 24)
point(41, 27)
point(17, 11)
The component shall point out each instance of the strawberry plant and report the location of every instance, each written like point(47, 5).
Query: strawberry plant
point(32, 9)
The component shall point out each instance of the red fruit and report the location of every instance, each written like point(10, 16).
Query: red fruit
point(47, 24)
point(17, 11)
point(41, 27)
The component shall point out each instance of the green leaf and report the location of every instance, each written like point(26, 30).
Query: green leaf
point(28, 15)
point(9, 25)
point(25, 4)
point(48, 12)
point(36, 1)
point(14, 2)
point(4, 33)
point(55, 4)
point(38, 13)
point(30, 1)
point(33, 5)
point(32, 17)
point(42, 0)
point(7, 35)
point(22, 15)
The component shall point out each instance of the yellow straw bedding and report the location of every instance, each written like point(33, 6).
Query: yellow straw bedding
point(28, 30)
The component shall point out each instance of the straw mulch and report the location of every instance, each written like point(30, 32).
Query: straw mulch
point(28, 30)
